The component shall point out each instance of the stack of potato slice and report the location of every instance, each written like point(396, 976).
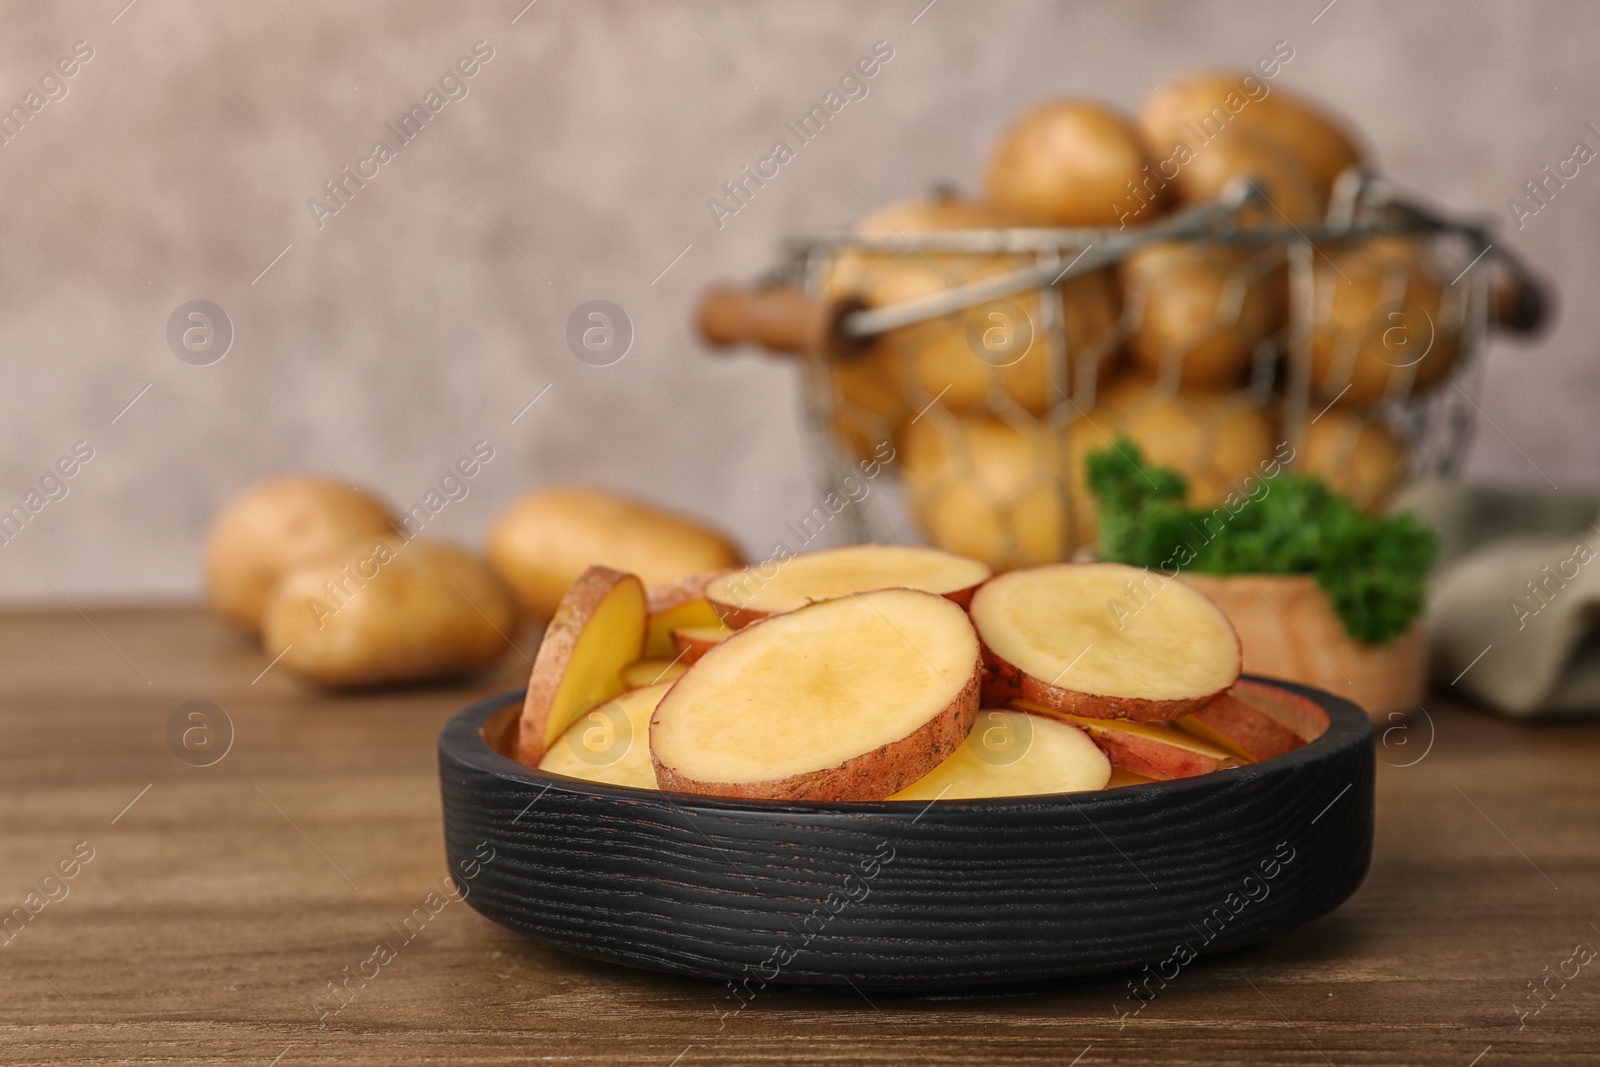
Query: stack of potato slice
point(881, 672)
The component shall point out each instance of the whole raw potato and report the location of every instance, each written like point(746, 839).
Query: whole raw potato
point(980, 487)
point(1385, 325)
point(1203, 109)
point(958, 369)
point(1355, 456)
point(870, 397)
point(889, 277)
point(947, 361)
point(387, 610)
point(869, 400)
point(542, 542)
point(1214, 437)
point(1292, 191)
point(278, 524)
point(1068, 163)
point(1203, 309)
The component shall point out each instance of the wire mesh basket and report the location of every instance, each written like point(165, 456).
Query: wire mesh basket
point(987, 362)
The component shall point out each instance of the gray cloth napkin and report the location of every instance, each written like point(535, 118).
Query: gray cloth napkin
point(1514, 606)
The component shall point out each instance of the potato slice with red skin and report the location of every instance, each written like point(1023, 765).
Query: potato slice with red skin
point(745, 596)
point(1232, 723)
point(698, 640)
point(676, 606)
point(1152, 749)
point(597, 630)
point(1103, 640)
point(1295, 713)
point(853, 698)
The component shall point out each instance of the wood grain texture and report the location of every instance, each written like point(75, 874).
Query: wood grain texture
point(206, 927)
point(905, 896)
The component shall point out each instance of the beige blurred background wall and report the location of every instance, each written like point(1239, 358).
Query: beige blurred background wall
point(427, 313)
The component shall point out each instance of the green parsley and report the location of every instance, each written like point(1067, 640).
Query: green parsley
point(1373, 568)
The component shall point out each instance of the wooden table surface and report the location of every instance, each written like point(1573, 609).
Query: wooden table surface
point(220, 901)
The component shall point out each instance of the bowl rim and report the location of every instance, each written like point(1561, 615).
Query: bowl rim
point(461, 739)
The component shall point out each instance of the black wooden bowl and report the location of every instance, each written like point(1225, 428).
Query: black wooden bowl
point(902, 895)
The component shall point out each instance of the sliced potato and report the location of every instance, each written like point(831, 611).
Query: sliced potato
point(597, 630)
point(611, 742)
point(1120, 778)
point(389, 611)
point(276, 525)
point(1293, 712)
point(1154, 749)
point(1014, 754)
point(674, 606)
point(647, 672)
point(747, 595)
point(1240, 728)
point(695, 641)
point(543, 542)
point(849, 699)
point(1104, 640)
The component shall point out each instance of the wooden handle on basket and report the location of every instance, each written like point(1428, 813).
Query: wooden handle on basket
point(779, 319)
point(1519, 302)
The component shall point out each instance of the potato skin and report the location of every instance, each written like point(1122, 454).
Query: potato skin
point(577, 608)
point(937, 354)
point(1153, 759)
point(545, 540)
point(276, 525)
point(1213, 436)
point(1004, 682)
point(1376, 304)
point(1318, 140)
point(1355, 456)
point(1190, 315)
point(404, 612)
point(982, 488)
point(1068, 163)
point(1247, 728)
point(1287, 182)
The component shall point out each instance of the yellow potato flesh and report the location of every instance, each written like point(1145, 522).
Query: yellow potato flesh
point(647, 672)
point(694, 614)
point(1108, 629)
point(1012, 754)
point(842, 571)
point(609, 642)
point(808, 690)
point(610, 743)
point(1151, 731)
